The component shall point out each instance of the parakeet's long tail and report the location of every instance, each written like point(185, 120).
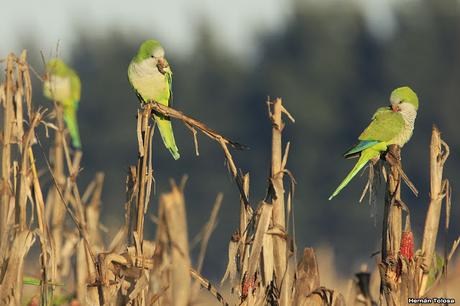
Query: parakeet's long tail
point(166, 131)
point(70, 118)
point(366, 155)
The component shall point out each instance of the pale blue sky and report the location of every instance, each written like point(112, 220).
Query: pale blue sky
point(174, 21)
point(171, 21)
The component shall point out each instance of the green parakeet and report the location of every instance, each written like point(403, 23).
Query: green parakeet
point(393, 124)
point(62, 85)
point(151, 77)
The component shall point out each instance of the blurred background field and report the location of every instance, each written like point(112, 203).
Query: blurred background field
point(332, 62)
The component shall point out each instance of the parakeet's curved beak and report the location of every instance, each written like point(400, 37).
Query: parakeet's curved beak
point(395, 108)
point(162, 64)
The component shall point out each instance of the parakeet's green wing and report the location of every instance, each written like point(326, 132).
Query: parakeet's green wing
point(385, 125)
point(164, 123)
point(168, 75)
point(75, 84)
point(361, 146)
point(71, 107)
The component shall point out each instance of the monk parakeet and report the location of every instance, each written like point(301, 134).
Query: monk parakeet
point(393, 124)
point(151, 77)
point(62, 85)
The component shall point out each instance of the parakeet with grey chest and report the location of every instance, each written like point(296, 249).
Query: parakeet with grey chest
point(393, 124)
point(62, 84)
point(150, 76)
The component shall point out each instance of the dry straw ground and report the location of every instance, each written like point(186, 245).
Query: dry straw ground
point(77, 268)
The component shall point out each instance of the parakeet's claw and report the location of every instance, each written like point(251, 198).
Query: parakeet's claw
point(398, 158)
point(141, 99)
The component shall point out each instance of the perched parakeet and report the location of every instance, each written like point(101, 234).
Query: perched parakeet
point(393, 124)
point(62, 85)
point(151, 77)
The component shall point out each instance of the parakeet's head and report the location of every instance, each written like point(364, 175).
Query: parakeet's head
point(60, 81)
point(57, 67)
point(402, 98)
point(150, 50)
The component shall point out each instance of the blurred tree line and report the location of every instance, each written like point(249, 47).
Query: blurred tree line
point(332, 74)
